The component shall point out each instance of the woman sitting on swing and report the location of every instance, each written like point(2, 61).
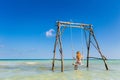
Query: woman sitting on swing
point(79, 58)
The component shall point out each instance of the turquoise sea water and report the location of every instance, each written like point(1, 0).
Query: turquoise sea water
point(41, 70)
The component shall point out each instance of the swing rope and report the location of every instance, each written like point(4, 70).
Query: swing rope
point(71, 38)
point(72, 43)
point(82, 43)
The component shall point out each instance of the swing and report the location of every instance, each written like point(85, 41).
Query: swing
point(87, 28)
point(73, 51)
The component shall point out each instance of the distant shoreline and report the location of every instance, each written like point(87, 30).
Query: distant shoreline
point(49, 59)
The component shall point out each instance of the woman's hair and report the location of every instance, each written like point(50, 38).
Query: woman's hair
point(78, 52)
point(78, 55)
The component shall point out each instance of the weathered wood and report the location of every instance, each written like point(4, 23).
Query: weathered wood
point(97, 58)
point(58, 41)
point(61, 52)
point(54, 51)
point(98, 48)
point(88, 49)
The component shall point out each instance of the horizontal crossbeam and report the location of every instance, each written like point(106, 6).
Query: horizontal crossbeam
point(73, 25)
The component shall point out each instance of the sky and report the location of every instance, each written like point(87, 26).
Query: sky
point(28, 27)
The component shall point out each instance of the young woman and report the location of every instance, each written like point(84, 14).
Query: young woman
point(79, 58)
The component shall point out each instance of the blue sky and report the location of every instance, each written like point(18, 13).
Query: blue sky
point(27, 27)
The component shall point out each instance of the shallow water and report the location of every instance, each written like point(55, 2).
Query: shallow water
point(41, 70)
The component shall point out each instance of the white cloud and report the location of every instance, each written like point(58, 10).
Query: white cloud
point(50, 33)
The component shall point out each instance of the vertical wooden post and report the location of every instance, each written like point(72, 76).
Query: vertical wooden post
point(58, 41)
point(61, 52)
point(54, 51)
point(54, 56)
point(99, 49)
point(88, 49)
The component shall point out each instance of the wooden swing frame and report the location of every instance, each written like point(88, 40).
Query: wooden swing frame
point(58, 41)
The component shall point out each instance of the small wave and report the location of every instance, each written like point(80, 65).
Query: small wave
point(31, 63)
